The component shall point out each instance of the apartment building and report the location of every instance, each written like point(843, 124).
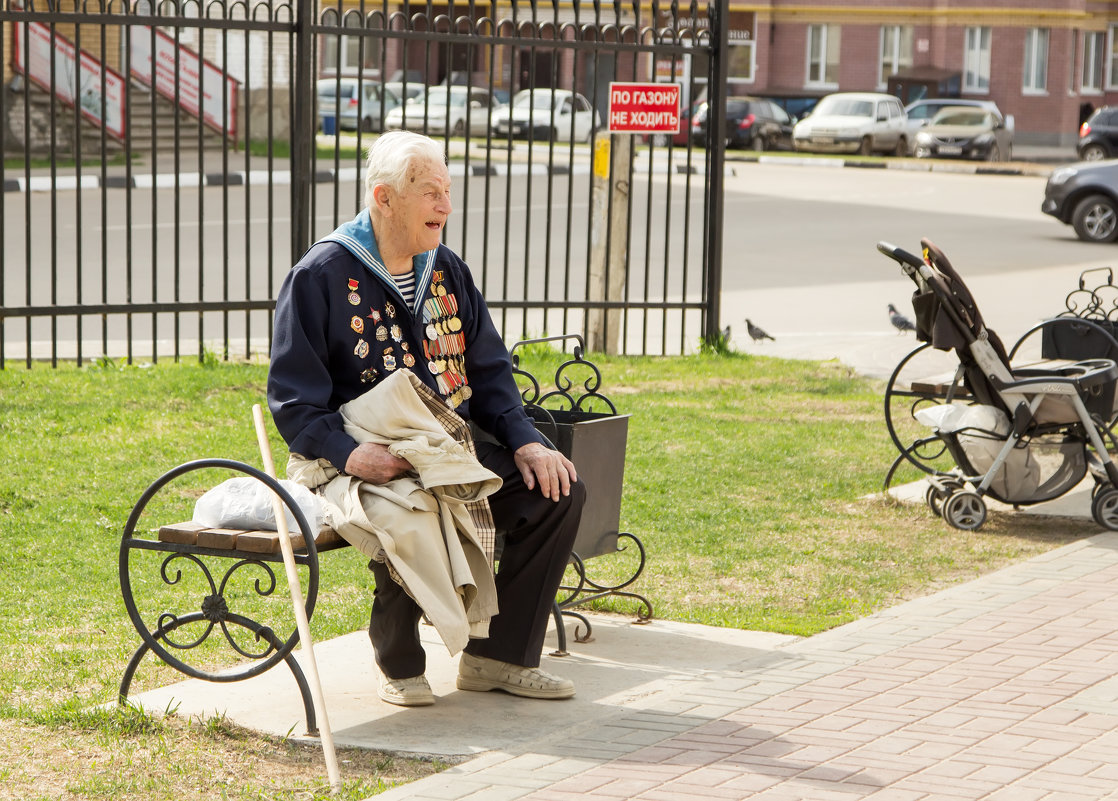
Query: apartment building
point(1046, 62)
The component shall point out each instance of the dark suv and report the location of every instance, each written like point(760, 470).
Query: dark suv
point(1098, 136)
point(751, 122)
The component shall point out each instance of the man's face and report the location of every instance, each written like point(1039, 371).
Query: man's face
point(421, 210)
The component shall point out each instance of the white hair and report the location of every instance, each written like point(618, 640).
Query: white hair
point(392, 154)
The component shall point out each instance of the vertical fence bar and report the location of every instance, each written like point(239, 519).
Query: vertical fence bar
point(719, 11)
point(302, 132)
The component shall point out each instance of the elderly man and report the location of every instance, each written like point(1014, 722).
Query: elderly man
point(383, 294)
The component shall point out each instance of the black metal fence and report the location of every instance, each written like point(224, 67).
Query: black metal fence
point(166, 162)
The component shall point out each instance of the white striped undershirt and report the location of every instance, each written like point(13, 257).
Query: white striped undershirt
point(406, 284)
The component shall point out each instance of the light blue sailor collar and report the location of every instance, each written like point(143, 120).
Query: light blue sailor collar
point(357, 237)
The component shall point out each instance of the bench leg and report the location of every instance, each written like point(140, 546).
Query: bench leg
point(560, 630)
point(263, 631)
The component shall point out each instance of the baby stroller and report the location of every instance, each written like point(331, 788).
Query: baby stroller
point(1024, 435)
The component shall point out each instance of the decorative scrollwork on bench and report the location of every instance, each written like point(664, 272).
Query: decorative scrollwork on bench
point(584, 424)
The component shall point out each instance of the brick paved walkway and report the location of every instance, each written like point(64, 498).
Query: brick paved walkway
point(1003, 688)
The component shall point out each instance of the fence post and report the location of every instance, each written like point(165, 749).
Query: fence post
point(609, 237)
point(302, 130)
point(719, 13)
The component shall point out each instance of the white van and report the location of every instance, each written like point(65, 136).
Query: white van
point(854, 122)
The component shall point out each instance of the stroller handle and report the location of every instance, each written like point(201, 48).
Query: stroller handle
point(900, 255)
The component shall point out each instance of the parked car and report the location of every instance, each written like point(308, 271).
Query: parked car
point(445, 109)
point(1086, 197)
point(348, 100)
point(1098, 135)
point(548, 114)
point(854, 122)
point(407, 91)
point(751, 122)
point(920, 112)
point(968, 132)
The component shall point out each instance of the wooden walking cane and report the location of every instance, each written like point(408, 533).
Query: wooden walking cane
point(297, 601)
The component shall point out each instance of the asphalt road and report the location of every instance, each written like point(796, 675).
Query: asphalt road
point(811, 275)
point(799, 246)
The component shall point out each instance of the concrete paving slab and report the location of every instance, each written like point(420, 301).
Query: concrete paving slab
point(625, 663)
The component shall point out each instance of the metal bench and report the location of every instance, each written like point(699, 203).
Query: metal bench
point(224, 583)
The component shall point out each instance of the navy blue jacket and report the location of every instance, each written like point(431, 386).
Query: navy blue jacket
point(340, 327)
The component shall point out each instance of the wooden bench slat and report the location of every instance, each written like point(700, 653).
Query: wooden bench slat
point(229, 539)
point(181, 533)
point(223, 539)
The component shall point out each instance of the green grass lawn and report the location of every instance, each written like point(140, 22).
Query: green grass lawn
point(749, 481)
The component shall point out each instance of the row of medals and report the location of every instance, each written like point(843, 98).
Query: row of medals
point(444, 347)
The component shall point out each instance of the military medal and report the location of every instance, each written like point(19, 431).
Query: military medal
point(368, 375)
point(389, 359)
point(373, 315)
point(382, 333)
point(467, 393)
point(353, 298)
point(409, 360)
point(361, 350)
point(357, 324)
point(389, 309)
point(431, 332)
point(454, 324)
point(397, 334)
point(434, 368)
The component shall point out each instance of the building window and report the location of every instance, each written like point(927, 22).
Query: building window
point(894, 52)
point(823, 55)
point(742, 63)
point(1035, 73)
point(1094, 55)
point(350, 55)
point(976, 61)
point(1112, 57)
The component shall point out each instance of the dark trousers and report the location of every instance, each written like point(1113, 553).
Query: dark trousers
point(538, 535)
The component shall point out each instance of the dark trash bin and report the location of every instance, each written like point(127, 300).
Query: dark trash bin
point(330, 125)
point(595, 442)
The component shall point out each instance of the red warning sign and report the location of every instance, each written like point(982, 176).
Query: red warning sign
point(644, 108)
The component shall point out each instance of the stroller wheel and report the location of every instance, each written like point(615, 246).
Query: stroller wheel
point(934, 498)
point(966, 510)
point(939, 491)
point(1104, 508)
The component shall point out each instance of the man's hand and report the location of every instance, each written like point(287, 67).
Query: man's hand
point(373, 463)
point(550, 469)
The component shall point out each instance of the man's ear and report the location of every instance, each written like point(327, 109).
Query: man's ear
point(380, 196)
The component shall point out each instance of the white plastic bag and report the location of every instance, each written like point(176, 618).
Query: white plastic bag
point(981, 432)
point(246, 503)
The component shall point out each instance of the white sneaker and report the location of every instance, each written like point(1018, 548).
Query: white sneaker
point(481, 674)
point(406, 692)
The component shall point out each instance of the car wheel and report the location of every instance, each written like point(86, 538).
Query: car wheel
point(866, 148)
point(459, 128)
point(901, 150)
point(367, 125)
point(1093, 153)
point(660, 140)
point(1096, 219)
point(757, 143)
point(995, 154)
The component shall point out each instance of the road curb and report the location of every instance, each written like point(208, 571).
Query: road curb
point(914, 165)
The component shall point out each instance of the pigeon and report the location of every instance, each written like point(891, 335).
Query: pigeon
point(899, 321)
point(758, 334)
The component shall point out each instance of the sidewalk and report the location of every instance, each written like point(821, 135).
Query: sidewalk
point(1000, 688)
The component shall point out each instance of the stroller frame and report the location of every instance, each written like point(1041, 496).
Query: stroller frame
point(1037, 400)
